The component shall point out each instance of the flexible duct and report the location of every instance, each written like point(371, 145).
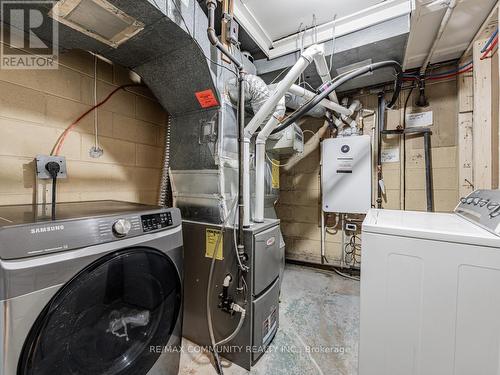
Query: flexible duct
point(256, 92)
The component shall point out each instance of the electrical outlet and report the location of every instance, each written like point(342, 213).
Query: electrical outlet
point(351, 227)
point(41, 162)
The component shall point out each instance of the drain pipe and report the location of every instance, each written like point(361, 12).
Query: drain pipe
point(260, 159)
point(452, 4)
point(305, 60)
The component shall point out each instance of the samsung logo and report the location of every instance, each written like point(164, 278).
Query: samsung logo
point(53, 228)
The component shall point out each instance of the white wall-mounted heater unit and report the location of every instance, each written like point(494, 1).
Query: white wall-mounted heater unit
point(346, 174)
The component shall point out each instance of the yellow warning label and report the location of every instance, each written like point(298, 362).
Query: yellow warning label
point(212, 240)
point(276, 174)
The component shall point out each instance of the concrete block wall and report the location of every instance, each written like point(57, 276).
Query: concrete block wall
point(299, 204)
point(37, 105)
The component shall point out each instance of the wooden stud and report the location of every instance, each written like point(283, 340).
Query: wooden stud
point(482, 122)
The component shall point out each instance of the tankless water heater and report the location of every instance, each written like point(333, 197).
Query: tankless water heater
point(346, 174)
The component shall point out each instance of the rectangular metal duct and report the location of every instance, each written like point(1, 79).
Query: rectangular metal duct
point(98, 19)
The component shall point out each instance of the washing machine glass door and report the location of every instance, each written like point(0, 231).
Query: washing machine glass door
point(107, 318)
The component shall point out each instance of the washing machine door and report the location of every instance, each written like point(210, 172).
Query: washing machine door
point(107, 318)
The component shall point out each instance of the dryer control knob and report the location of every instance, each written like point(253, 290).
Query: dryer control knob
point(122, 227)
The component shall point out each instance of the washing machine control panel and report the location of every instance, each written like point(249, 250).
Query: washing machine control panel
point(156, 221)
point(20, 241)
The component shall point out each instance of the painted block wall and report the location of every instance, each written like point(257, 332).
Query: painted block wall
point(37, 105)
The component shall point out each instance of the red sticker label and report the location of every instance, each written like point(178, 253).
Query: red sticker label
point(207, 99)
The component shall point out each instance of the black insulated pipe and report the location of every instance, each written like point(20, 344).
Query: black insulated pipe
point(339, 81)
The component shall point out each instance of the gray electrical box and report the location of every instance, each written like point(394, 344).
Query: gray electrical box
point(41, 162)
point(290, 141)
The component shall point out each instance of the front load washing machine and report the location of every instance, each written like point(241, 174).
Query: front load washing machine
point(96, 291)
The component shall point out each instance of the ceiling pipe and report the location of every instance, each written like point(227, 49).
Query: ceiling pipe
point(328, 104)
point(324, 73)
point(444, 22)
point(269, 107)
point(339, 81)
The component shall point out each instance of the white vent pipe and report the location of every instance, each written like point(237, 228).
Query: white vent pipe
point(260, 159)
point(268, 108)
point(444, 22)
point(324, 74)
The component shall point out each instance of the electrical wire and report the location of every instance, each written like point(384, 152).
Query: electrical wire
point(346, 276)
point(209, 289)
point(60, 141)
point(334, 38)
point(277, 165)
point(460, 70)
point(96, 118)
point(490, 49)
point(492, 37)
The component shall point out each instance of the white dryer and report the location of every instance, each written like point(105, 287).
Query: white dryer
point(430, 300)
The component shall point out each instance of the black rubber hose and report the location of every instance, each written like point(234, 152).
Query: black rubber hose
point(335, 83)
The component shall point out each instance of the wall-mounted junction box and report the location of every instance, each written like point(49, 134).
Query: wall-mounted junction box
point(346, 174)
point(290, 141)
point(41, 162)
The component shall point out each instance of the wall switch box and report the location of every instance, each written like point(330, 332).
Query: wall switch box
point(41, 162)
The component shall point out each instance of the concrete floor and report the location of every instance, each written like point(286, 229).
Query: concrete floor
point(318, 334)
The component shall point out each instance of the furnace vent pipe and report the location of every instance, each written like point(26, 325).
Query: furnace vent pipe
point(452, 4)
point(269, 107)
point(260, 159)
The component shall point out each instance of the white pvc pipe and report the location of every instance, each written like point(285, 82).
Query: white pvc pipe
point(444, 22)
point(268, 107)
point(324, 74)
point(260, 160)
point(328, 104)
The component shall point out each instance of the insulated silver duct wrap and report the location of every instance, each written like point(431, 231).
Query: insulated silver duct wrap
point(295, 102)
point(256, 93)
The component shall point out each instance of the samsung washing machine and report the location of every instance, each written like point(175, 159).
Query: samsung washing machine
point(96, 291)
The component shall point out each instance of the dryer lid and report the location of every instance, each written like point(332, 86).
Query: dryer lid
point(445, 227)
